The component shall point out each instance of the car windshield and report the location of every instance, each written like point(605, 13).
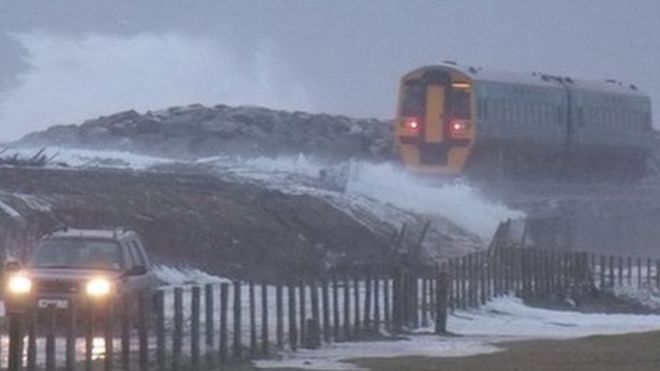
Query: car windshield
point(77, 254)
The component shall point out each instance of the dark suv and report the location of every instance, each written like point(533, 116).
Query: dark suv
point(90, 267)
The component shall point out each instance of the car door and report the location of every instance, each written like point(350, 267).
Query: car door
point(128, 281)
point(142, 282)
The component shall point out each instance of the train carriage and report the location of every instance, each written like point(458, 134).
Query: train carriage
point(454, 120)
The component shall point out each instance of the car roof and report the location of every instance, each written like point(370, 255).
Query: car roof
point(102, 234)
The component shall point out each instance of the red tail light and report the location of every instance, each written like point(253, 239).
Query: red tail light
point(413, 125)
point(458, 129)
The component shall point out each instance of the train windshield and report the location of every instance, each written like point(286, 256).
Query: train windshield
point(413, 99)
point(461, 104)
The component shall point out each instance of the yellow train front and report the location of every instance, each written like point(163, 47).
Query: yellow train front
point(454, 120)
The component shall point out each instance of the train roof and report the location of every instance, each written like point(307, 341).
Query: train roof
point(540, 79)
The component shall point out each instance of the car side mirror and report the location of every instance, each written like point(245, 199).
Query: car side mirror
point(12, 266)
point(137, 270)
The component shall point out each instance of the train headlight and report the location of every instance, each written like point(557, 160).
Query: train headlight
point(98, 287)
point(19, 285)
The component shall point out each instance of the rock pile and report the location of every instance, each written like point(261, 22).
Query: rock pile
point(198, 131)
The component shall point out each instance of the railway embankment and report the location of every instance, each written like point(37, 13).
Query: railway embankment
point(223, 227)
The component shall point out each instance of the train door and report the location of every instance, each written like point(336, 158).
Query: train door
point(433, 150)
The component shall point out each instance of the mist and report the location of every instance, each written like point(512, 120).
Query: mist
point(74, 78)
point(67, 61)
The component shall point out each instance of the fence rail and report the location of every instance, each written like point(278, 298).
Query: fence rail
point(199, 327)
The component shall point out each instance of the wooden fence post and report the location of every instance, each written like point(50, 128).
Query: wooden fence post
point(303, 311)
point(442, 281)
point(314, 298)
point(377, 303)
point(15, 340)
point(526, 290)
point(194, 327)
point(387, 303)
point(325, 301)
point(224, 326)
point(484, 276)
point(314, 333)
point(143, 330)
point(472, 280)
point(451, 269)
point(50, 338)
point(160, 329)
point(612, 283)
point(208, 321)
point(279, 313)
point(657, 274)
point(629, 273)
point(71, 336)
point(367, 301)
point(462, 276)
point(238, 321)
point(253, 319)
point(264, 319)
point(335, 307)
point(177, 337)
point(425, 318)
point(293, 326)
point(414, 283)
point(125, 328)
point(639, 273)
point(548, 274)
point(347, 307)
point(397, 301)
point(356, 305)
point(31, 317)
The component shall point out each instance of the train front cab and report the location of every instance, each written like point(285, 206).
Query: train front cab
point(435, 124)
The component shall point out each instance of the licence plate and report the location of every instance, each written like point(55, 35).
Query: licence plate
point(57, 303)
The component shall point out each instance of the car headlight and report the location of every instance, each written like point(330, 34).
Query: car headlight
point(99, 287)
point(19, 285)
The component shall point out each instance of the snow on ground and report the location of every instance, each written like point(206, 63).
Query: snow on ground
point(82, 158)
point(646, 295)
point(9, 210)
point(385, 183)
point(185, 276)
point(479, 332)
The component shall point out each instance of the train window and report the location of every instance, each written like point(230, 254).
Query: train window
point(461, 104)
point(414, 96)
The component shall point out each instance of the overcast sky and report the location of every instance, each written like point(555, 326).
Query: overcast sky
point(68, 60)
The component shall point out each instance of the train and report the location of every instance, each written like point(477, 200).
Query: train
point(455, 120)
